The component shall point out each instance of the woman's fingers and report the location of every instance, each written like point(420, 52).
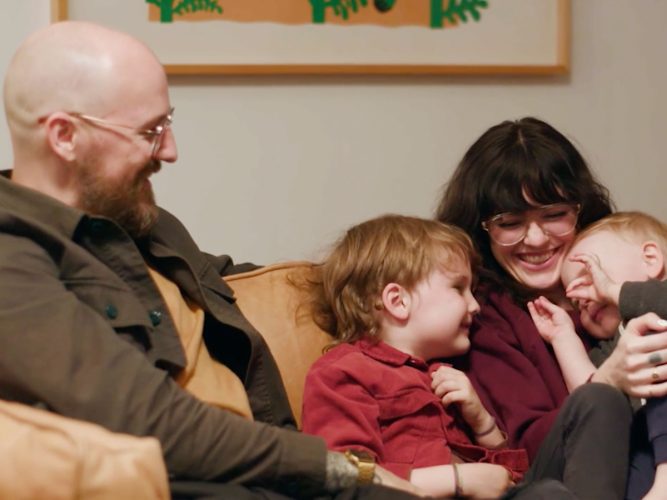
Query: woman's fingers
point(641, 357)
point(646, 334)
point(650, 390)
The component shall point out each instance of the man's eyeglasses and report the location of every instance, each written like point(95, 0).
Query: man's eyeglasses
point(510, 228)
point(155, 134)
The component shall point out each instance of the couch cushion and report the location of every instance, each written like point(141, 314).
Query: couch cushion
point(270, 301)
point(44, 455)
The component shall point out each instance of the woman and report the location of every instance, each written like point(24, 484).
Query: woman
point(521, 192)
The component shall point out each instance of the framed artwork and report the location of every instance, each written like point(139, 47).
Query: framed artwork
point(341, 36)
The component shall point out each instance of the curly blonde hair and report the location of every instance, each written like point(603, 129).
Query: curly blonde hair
point(346, 289)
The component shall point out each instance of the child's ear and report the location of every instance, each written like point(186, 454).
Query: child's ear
point(654, 260)
point(396, 301)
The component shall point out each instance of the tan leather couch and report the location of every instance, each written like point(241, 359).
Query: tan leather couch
point(270, 300)
point(44, 455)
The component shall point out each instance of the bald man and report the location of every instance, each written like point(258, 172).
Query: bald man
point(103, 295)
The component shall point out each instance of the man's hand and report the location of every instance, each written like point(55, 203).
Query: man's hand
point(342, 474)
point(552, 321)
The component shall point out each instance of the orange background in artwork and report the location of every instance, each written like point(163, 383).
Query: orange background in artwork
point(403, 13)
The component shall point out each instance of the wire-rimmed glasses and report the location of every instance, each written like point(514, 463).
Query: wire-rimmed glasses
point(509, 228)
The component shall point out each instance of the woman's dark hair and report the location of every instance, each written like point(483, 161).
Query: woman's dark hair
point(513, 158)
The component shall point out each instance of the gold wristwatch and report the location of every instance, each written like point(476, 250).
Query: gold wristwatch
point(364, 463)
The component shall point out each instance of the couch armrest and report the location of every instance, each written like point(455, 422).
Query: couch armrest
point(44, 455)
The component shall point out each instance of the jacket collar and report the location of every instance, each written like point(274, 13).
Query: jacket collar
point(47, 211)
point(39, 207)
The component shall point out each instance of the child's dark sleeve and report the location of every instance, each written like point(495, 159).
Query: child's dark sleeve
point(639, 298)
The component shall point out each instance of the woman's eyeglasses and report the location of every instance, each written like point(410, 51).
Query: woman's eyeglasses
point(509, 228)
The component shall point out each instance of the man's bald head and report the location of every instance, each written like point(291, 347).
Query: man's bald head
point(73, 66)
point(79, 98)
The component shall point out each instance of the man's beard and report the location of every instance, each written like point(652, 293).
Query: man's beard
point(128, 202)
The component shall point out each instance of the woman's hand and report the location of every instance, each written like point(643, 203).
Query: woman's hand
point(551, 321)
point(638, 364)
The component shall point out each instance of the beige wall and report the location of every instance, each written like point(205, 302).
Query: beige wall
point(275, 168)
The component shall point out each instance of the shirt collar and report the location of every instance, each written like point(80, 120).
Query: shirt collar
point(383, 352)
point(38, 206)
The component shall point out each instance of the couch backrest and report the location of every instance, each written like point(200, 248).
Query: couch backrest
point(270, 301)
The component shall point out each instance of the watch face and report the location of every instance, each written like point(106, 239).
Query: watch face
point(365, 464)
point(365, 456)
point(362, 455)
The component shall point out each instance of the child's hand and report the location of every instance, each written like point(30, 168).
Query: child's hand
point(551, 321)
point(453, 386)
point(484, 480)
point(657, 491)
point(391, 480)
point(595, 285)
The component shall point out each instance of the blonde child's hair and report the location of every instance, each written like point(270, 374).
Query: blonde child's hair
point(632, 226)
point(346, 291)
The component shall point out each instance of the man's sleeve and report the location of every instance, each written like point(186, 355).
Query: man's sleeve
point(57, 351)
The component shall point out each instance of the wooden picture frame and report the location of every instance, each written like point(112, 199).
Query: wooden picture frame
point(512, 37)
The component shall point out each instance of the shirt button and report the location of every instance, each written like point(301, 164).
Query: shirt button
point(156, 317)
point(97, 227)
point(112, 311)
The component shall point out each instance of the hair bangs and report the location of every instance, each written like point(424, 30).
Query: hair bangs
point(522, 182)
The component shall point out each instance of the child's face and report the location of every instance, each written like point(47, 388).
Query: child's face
point(621, 260)
point(442, 307)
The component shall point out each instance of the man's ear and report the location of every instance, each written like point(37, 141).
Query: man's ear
point(654, 260)
point(396, 301)
point(61, 135)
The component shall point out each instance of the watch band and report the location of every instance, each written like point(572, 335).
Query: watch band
point(364, 463)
